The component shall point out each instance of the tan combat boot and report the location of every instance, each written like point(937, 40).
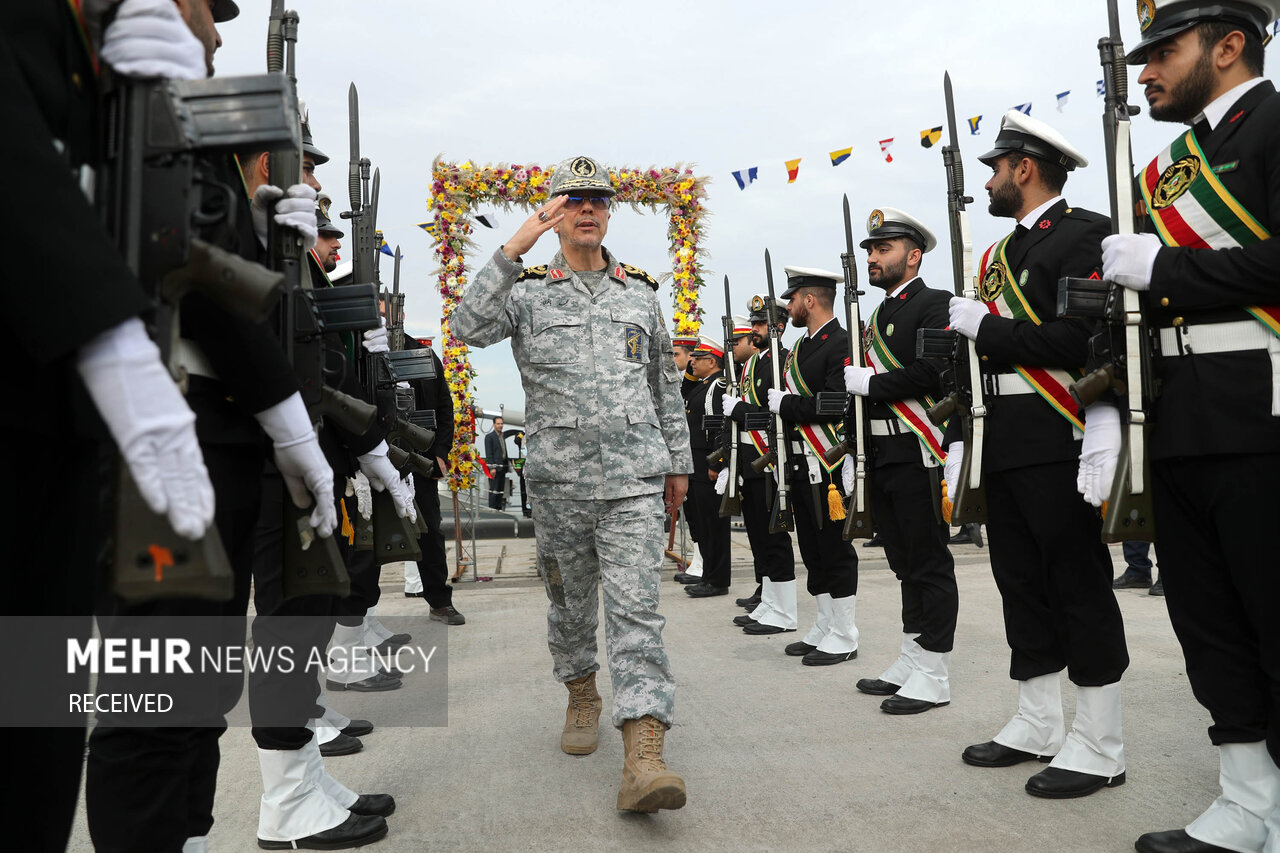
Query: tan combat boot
point(582, 720)
point(647, 784)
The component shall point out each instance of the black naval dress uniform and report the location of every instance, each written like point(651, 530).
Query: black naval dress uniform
point(905, 492)
point(705, 398)
point(1215, 443)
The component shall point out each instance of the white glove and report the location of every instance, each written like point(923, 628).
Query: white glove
point(375, 340)
point(857, 380)
point(848, 472)
point(775, 399)
point(951, 469)
point(364, 495)
point(729, 403)
point(722, 481)
point(967, 315)
point(151, 424)
point(301, 461)
point(408, 484)
point(1099, 453)
point(1127, 259)
point(295, 209)
point(383, 476)
point(148, 38)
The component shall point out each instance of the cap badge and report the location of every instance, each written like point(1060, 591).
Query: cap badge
point(992, 283)
point(757, 303)
point(325, 203)
point(583, 167)
point(875, 220)
point(1175, 181)
point(1146, 13)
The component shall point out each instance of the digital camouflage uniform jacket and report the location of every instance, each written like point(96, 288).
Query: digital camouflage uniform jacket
point(604, 416)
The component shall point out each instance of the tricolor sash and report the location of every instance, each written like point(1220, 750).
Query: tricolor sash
point(1192, 209)
point(759, 439)
point(1001, 293)
point(820, 437)
point(910, 412)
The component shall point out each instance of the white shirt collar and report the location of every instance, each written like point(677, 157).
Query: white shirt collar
point(899, 288)
point(820, 328)
point(1217, 109)
point(1034, 216)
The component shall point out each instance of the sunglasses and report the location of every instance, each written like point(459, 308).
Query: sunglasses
point(573, 202)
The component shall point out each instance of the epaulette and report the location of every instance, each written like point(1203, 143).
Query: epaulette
point(533, 272)
point(636, 272)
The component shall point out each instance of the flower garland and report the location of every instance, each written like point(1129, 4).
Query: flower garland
point(457, 188)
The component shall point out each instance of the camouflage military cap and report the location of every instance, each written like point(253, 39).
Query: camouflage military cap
point(580, 174)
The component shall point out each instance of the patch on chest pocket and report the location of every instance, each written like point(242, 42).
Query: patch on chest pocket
point(632, 343)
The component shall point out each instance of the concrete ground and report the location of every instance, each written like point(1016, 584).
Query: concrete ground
point(776, 755)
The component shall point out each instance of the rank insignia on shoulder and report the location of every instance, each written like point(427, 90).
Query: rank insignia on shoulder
point(533, 272)
point(636, 272)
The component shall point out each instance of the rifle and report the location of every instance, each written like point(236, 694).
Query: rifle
point(731, 501)
point(1126, 339)
point(158, 190)
point(780, 516)
point(969, 503)
point(857, 523)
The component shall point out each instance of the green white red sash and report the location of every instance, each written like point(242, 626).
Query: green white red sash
point(1000, 292)
point(1192, 209)
point(910, 412)
point(820, 437)
point(758, 438)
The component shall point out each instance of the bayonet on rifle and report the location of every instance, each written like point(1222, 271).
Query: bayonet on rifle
point(857, 524)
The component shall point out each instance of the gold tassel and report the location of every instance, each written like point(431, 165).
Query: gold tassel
point(946, 504)
point(835, 503)
point(347, 530)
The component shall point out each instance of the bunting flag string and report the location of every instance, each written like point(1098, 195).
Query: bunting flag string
point(930, 137)
point(429, 227)
point(793, 170)
point(1025, 109)
point(1062, 99)
point(884, 147)
point(750, 176)
point(384, 248)
point(838, 157)
point(1102, 88)
point(973, 125)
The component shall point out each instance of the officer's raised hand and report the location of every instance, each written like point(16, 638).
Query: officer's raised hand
point(300, 460)
point(545, 218)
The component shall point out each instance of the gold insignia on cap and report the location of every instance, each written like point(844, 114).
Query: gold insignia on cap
point(583, 167)
point(757, 303)
point(1175, 181)
point(992, 283)
point(325, 204)
point(875, 220)
point(1146, 13)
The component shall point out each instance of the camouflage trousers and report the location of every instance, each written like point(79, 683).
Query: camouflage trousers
point(617, 544)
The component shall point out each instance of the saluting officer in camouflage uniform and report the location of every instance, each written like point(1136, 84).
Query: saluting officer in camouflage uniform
point(603, 458)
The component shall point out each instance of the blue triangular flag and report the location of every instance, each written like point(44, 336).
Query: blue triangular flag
point(1062, 99)
point(745, 176)
point(1025, 109)
point(385, 249)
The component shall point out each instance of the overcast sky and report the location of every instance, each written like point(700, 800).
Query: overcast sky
point(720, 86)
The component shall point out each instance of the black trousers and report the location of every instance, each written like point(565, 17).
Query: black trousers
point(61, 585)
point(713, 531)
point(1054, 576)
point(149, 789)
point(498, 486)
point(1216, 518)
point(830, 561)
point(433, 568)
point(902, 505)
point(366, 577)
point(771, 553)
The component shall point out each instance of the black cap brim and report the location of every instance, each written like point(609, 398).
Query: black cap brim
point(1029, 145)
point(1172, 24)
point(318, 156)
point(224, 10)
point(888, 232)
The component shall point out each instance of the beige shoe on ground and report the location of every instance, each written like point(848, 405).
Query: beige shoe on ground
point(647, 784)
point(581, 732)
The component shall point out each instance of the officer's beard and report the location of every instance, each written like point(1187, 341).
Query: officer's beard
point(758, 340)
point(887, 276)
point(1006, 199)
point(799, 316)
point(1190, 95)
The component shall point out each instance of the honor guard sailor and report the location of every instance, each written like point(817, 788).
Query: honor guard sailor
point(906, 461)
point(703, 504)
point(1053, 572)
point(1209, 269)
point(608, 447)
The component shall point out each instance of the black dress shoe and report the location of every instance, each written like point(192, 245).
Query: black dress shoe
point(705, 590)
point(448, 614)
point(760, 629)
point(1173, 841)
point(372, 684)
point(961, 537)
point(357, 728)
point(750, 603)
point(379, 804)
point(684, 577)
point(413, 595)
point(356, 831)
point(1157, 588)
point(1132, 580)
point(1054, 783)
point(901, 705)
point(874, 542)
point(341, 745)
point(877, 687)
point(743, 621)
point(795, 650)
point(992, 754)
point(817, 658)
